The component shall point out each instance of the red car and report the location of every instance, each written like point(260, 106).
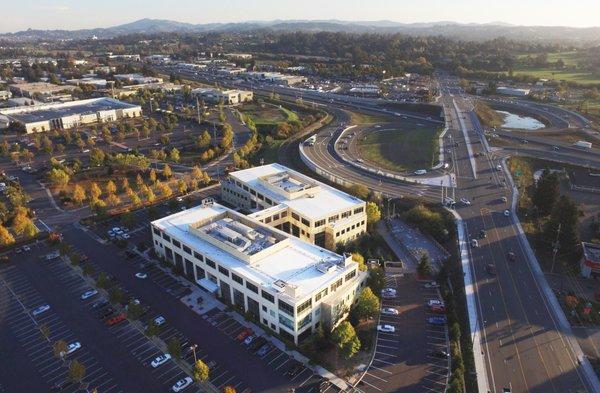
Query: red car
point(116, 319)
point(438, 309)
point(243, 334)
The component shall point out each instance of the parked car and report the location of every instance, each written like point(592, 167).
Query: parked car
point(99, 304)
point(106, 312)
point(160, 360)
point(511, 256)
point(389, 311)
point(386, 328)
point(116, 319)
point(74, 346)
point(249, 339)
point(490, 268)
point(503, 199)
point(388, 292)
point(262, 351)
point(432, 285)
point(243, 334)
point(89, 294)
point(40, 309)
point(182, 384)
point(257, 343)
point(465, 201)
point(159, 320)
point(435, 302)
point(141, 275)
point(442, 354)
point(438, 309)
point(482, 234)
point(437, 320)
point(506, 213)
point(62, 385)
point(474, 243)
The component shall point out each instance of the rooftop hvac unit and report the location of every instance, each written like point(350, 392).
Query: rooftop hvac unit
point(207, 202)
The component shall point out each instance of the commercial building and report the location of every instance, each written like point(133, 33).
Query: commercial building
point(158, 59)
point(296, 204)
point(238, 56)
point(590, 263)
point(39, 89)
point(109, 55)
point(290, 286)
point(137, 78)
point(509, 91)
point(275, 77)
point(96, 82)
point(45, 117)
point(227, 97)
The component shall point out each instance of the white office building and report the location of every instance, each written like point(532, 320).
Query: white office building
point(296, 204)
point(288, 285)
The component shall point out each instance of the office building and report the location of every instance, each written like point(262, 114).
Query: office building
point(137, 78)
point(296, 204)
point(46, 117)
point(227, 97)
point(289, 286)
point(39, 89)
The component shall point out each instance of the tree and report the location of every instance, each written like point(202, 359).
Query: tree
point(228, 389)
point(201, 371)
point(6, 238)
point(167, 172)
point(59, 349)
point(21, 221)
point(546, 192)
point(174, 155)
point(59, 177)
point(113, 200)
point(139, 181)
point(102, 280)
point(111, 187)
point(196, 173)
point(97, 157)
point(152, 329)
point(359, 191)
point(181, 186)
point(124, 184)
point(344, 337)
point(153, 176)
point(203, 140)
point(164, 189)
point(373, 213)
point(115, 295)
point(358, 258)
point(95, 191)
point(565, 215)
point(149, 195)
point(76, 371)
point(174, 346)
point(134, 310)
point(227, 139)
point(78, 194)
point(424, 268)
point(367, 305)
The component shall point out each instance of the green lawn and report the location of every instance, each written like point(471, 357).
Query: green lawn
point(569, 74)
point(406, 149)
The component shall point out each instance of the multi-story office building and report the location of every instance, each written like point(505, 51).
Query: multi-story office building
point(290, 286)
point(296, 204)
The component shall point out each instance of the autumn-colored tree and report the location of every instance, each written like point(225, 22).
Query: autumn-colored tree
point(124, 184)
point(167, 172)
point(153, 176)
point(113, 200)
point(95, 191)
point(111, 187)
point(78, 194)
point(139, 181)
point(6, 238)
point(181, 186)
point(196, 173)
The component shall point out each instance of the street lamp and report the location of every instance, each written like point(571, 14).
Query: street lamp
point(193, 348)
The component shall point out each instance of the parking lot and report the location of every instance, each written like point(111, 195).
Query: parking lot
point(412, 357)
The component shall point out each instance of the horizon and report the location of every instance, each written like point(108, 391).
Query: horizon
point(77, 15)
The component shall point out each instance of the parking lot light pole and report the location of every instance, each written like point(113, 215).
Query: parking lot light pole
point(193, 348)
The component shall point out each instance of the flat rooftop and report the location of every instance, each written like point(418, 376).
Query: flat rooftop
point(320, 199)
point(591, 252)
point(279, 259)
point(38, 113)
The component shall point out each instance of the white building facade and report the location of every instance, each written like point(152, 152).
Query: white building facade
point(289, 286)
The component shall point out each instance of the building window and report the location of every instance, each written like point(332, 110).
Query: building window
point(295, 217)
point(351, 275)
point(305, 222)
point(319, 223)
point(166, 237)
point(286, 308)
point(359, 210)
point(223, 271)
point(305, 321)
point(187, 249)
point(304, 306)
point(346, 214)
point(156, 231)
point(176, 243)
point(198, 256)
point(336, 285)
point(267, 296)
point(320, 295)
point(276, 217)
point(288, 323)
point(264, 308)
point(237, 279)
point(283, 214)
point(333, 218)
point(211, 263)
point(169, 253)
point(251, 287)
point(267, 220)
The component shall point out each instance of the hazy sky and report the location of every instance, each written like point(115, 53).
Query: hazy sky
point(76, 14)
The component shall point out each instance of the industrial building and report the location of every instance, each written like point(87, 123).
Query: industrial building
point(509, 91)
point(275, 77)
point(296, 204)
point(45, 117)
point(39, 89)
point(137, 78)
point(90, 81)
point(290, 286)
point(227, 97)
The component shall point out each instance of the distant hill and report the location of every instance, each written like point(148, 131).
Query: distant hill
point(470, 32)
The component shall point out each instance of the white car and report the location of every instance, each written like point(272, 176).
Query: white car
point(160, 320)
point(116, 230)
point(141, 275)
point(41, 309)
point(389, 311)
point(160, 360)
point(388, 293)
point(465, 201)
point(89, 294)
point(182, 384)
point(506, 213)
point(499, 168)
point(111, 234)
point(386, 328)
point(73, 347)
point(432, 285)
point(435, 302)
point(26, 248)
point(124, 236)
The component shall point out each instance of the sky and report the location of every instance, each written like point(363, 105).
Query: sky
point(78, 14)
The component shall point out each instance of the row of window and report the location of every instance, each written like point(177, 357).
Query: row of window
point(353, 227)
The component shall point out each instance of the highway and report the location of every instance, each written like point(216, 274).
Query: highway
point(527, 347)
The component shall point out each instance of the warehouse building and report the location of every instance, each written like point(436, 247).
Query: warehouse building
point(39, 89)
point(45, 117)
point(290, 286)
point(227, 97)
point(137, 78)
point(296, 204)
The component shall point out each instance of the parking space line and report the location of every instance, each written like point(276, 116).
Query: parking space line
point(380, 369)
point(375, 376)
point(373, 386)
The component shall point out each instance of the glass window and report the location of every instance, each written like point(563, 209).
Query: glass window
point(286, 308)
point(156, 231)
point(267, 296)
point(187, 249)
point(305, 222)
point(176, 243)
point(350, 275)
point(359, 210)
point(237, 279)
point(319, 223)
point(305, 306)
point(305, 321)
point(336, 285)
point(288, 323)
point(223, 271)
point(295, 217)
point(211, 263)
point(321, 294)
point(251, 287)
point(166, 237)
point(198, 256)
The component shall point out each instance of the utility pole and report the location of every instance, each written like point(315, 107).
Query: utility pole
point(555, 247)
